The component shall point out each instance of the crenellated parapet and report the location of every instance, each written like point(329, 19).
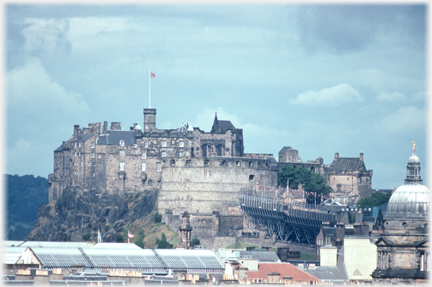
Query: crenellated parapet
point(220, 162)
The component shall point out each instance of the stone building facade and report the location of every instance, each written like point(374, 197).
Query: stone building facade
point(349, 179)
point(115, 161)
point(194, 171)
point(403, 248)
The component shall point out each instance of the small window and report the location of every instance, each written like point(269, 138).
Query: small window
point(143, 166)
point(146, 144)
point(144, 155)
point(122, 154)
point(122, 166)
point(76, 154)
point(89, 163)
point(93, 145)
point(99, 166)
point(173, 142)
point(181, 144)
point(79, 145)
point(163, 143)
point(150, 182)
point(158, 167)
point(99, 156)
point(92, 154)
point(122, 143)
point(163, 154)
point(180, 154)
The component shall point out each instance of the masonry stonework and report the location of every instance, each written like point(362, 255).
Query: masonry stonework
point(194, 171)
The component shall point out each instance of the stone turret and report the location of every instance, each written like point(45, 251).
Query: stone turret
point(149, 120)
point(185, 231)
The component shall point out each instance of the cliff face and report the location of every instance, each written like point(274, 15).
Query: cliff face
point(78, 213)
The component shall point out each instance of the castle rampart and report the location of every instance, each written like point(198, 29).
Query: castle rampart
point(207, 184)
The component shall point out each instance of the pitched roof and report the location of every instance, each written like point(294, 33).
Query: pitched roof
point(85, 137)
point(114, 138)
point(347, 164)
point(114, 255)
point(329, 231)
point(222, 126)
point(262, 256)
point(284, 269)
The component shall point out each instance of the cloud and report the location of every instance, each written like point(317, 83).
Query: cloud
point(405, 119)
point(46, 36)
point(18, 154)
point(334, 96)
point(31, 85)
point(351, 28)
point(388, 97)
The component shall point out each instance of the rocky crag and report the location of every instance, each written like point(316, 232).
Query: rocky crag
point(77, 215)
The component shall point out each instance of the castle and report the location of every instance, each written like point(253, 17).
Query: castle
point(193, 170)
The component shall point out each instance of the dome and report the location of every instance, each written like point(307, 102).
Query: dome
point(409, 200)
point(138, 127)
point(414, 159)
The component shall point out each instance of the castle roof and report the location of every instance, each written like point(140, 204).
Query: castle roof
point(347, 164)
point(114, 138)
point(85, 137)
point(222, 126)
point(285, 148)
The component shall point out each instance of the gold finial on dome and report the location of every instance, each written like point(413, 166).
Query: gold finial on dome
point(414, 145)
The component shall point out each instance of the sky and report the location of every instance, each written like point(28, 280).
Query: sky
point(322, 79)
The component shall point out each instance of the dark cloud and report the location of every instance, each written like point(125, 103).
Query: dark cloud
point(348, 28)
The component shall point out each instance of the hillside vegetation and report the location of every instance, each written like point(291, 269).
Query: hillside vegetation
point(24, 194)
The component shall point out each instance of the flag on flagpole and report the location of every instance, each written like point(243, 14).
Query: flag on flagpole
point(99, 236)
point(130, 235)
point(152, 74)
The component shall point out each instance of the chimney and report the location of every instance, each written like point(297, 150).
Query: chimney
point(105, 127)
point(361, 156)
point(76, 130)
point(340, 231)
point(336, 155)
point(115, 126)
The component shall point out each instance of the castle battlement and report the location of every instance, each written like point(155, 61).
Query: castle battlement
point(220, 162)
point(209, 167)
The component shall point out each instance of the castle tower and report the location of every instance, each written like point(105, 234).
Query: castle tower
point(149, 120)
point(185, 231)
point(215, 127)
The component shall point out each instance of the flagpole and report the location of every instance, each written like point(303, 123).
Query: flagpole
point(149, 89)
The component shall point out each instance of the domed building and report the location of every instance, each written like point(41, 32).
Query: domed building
point(402, 249)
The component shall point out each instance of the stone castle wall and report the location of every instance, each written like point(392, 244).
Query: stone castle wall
point(208, 184)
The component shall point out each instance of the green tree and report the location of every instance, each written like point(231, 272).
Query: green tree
point(312, 182)
point(195, 241)
point(119, 237)
point(24, 195)
point(377, 199)
point(140, 241)
point(86, 236)
point(163, 243)
point(157, 217)
point(141, 232)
